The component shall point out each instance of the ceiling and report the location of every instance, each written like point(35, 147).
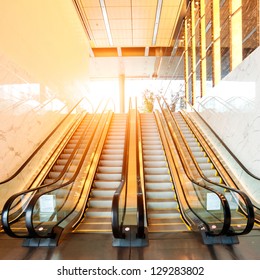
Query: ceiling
point(133, 38)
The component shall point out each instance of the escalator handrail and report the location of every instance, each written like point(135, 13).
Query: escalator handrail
point(140, 190)
point(226, 209)
point(245, 198)
point(224, 144)
point(247, 202)
point(117, 225)
point(18, 171)
point(249, 173)
point(9, 202)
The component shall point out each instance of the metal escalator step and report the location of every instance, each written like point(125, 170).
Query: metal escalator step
point(196, 149)
point(71, 145)
point(58, 167)
point(205, 165)
point(152, 147)
point(215, 179)
point(112, 151)
point(202, 159)
point(157, 178)
point(193, 143)
point(108, 177)
point(158, 204)
point(156, 194)
point(148, 141)
point(166, 220)
point(98, 212)
point(109, 169)
point(105, 184)
point(116, 140)
point(163, 214)
point(199, 154)
point(209, 173)
point(115, 157)
point(154, 157)
point(114, 146)
point(153, 152)
point(100, 202)
point(160, 185)
point(157, 163)
point(156, 170)
point(110, 161)
point(102, 192)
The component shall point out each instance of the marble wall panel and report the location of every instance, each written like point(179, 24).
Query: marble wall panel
point(232, 110)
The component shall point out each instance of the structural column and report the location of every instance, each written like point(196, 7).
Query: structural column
point(122, 93)
point(186, 59)
point(236, 53)
point(203, 66)
point(216, 55)
point(193, 52)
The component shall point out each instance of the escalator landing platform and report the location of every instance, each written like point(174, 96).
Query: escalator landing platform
point(162, 246)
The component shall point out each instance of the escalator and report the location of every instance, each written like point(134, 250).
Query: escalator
point(32, 171)
point(203, 170)
point(60, 172)
point(40, 214)
point(107, 179)
point(162, 205)
point(239, 218)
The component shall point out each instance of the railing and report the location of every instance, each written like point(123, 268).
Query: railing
point(141, 209)
point(120, 196)
point(246, 176)
point(237, 197)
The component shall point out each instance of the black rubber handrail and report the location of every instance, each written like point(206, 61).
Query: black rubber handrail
point(7, 207)
point(225, 205)
point(17, 172)
point(224, 144)
point(248, 204)
point(140, 192)
point(249, 173)
point(117, 224)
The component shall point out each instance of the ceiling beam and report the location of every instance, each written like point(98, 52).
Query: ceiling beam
point(132, 51)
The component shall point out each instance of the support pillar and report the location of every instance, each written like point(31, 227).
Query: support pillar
point(122, 93)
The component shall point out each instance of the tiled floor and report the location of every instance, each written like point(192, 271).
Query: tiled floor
point(167, 246)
